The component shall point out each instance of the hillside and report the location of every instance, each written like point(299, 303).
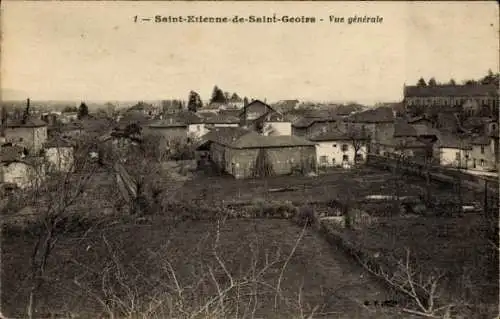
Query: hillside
point(136, 264)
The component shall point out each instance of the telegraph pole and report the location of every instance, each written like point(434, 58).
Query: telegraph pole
point(485, 199)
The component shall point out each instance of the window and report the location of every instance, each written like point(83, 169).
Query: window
point(21, 139)
point(482, 149)
point(457, 156)
point(334, 145)
point(359, 157)
point(481, 163)
point(345, 147)
point(345, 158)
point(333, 161)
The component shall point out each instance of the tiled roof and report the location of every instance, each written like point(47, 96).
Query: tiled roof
point(305, 122)
point(230, 112)
point(424, 130)
point(11, 153)
point(225, 135)
point(134, 116)
point(166, 123)
point(378, 115)
point(220, 119)
point(253, 103)
point(450, 90)
point(347, 109)
point(404, 142)
point(236, 137)
point(448, 121)
point(339, 135)
point(480, 140)
point(404, 129)
point(188, 117)
point(448, 140)
point(260, 141)
point(30, 122)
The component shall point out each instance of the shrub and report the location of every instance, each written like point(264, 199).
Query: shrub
point(305, 216)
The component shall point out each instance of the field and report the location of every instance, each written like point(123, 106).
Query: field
point(128, 265)
point(461, 246)
point(142, 255)
point(336, 184)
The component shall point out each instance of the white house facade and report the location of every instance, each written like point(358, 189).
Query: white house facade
point(60, 159)
point(338, 153)
point(277, 128)
point(454, 157)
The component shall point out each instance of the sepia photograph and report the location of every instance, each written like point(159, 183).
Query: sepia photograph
point(249, 159)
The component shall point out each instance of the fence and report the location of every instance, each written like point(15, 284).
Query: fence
point(436, 173)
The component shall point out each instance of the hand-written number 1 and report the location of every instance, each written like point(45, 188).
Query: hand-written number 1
point(135, 18)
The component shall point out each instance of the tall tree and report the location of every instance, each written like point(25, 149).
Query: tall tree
point(359, 138)
point(83, 110)
point(470, 82)
point(3, 116)
point(263, 164)
point(452, 82)
point(421, 82)
point(432, 82)
point(217, 96)
point(490, 78)
point(227, 96)
point(194, 101)
point(235, 97)
point(245, 101)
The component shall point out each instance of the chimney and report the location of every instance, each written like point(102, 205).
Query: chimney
point(26, 111)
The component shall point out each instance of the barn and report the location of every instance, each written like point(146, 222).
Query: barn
point(243, 153)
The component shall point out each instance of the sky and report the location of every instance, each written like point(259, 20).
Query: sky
point(95, 51)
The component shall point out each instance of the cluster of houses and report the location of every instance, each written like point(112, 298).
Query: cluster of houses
point(27, 154)
point(457, 128)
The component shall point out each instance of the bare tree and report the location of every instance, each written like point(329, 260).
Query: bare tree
point(422, 291)
point(359, 139)
point(55, 195)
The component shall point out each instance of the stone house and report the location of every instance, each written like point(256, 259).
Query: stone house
point(30, 133)
point(146, 109)
point(168, 130)
point(403, 139)
point(484, 153)
point(210, 121)
point(337, 147)
point(272, 123)
point(253, 111)
point(59, 155)
point(453, 151)
point(308, 126)
point(17, 168)
point(372, 119)
point(68, 117)
point(421, 98)
point(236, 152)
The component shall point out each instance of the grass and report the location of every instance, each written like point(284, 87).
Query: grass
point(317, 274)
point(337, 184)
point(143, 255)
point(457, 247)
